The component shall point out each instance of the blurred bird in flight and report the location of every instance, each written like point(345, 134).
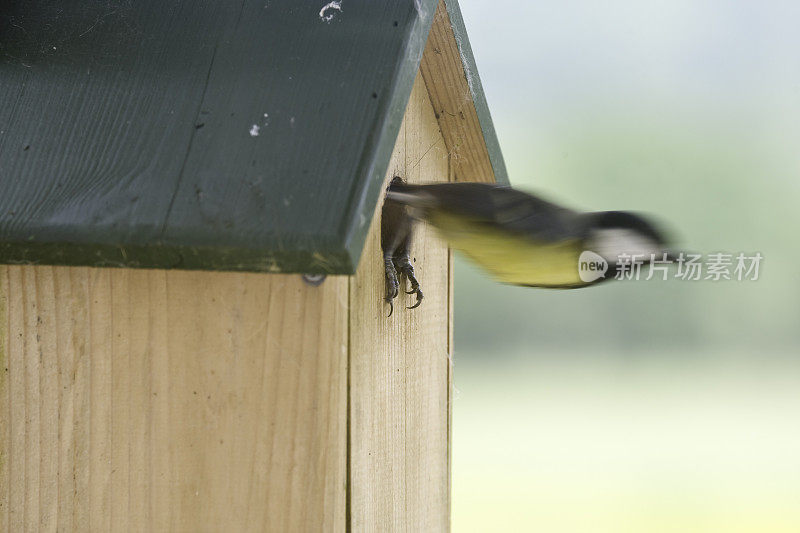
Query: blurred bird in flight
point(516, 237)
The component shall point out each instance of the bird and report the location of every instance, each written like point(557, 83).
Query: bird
point(397, 230)
point(515, 236)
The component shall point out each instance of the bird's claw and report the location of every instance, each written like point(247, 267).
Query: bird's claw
point(407, 269)
point(392, 285)
point(419, 300)
point(404, 267)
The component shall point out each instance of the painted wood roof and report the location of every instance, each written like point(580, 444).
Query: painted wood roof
point(208, 135)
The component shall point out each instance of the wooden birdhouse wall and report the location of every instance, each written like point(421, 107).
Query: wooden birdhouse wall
point(210, 401)
point(400, 366)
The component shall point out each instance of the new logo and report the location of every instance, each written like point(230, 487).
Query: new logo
point(591, 266)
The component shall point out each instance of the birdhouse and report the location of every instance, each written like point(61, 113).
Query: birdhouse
point(193, 330)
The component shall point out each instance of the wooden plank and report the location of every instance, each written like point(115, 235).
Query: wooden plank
point(125, 130)
point(125, 135)
point(153, 400)
point(399, 365)
point(450, 356)
point(455, 90)
point(5, 412)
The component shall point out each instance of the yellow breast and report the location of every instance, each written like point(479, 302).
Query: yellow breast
point(512, 258)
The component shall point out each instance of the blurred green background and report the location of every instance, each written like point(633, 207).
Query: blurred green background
point(639, 406)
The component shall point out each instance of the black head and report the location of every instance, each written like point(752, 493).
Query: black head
point(614, 233)
point(625, 220)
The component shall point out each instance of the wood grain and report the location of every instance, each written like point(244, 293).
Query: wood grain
point(452, 80)
point(399, 366)
point(183, 401)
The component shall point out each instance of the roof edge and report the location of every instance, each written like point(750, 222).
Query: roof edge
point(378, 151)
point(334, 261)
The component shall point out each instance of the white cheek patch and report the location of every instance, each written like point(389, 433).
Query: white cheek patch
point(611, 243)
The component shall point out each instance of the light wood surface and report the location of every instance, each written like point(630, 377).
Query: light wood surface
point(183, 401)
point(452, 98)
point(399, 366)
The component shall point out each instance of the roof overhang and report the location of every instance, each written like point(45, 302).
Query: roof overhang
point(211, 136)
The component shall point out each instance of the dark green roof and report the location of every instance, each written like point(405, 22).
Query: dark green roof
point(204, 135)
